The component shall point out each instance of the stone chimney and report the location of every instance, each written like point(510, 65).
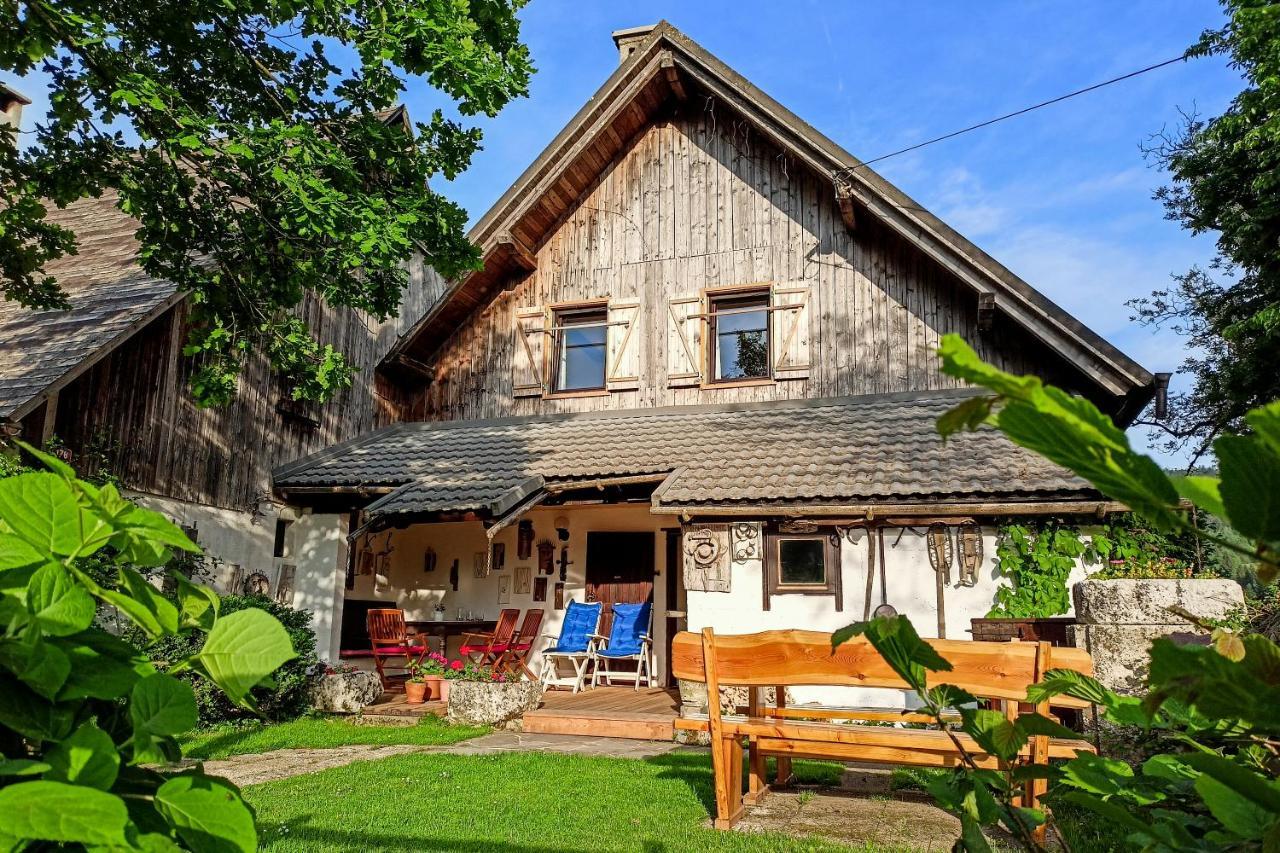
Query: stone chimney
point(629, 39)
point(11, 104)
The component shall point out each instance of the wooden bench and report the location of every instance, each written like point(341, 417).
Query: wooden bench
point(998, 672)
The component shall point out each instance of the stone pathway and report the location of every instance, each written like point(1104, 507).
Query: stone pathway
point(283, 763)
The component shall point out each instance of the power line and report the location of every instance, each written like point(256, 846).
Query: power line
point(1017, 113)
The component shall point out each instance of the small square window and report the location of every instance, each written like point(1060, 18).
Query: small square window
point(280, 547)
point(802, 563)
point(739, 339)
point(580, 349)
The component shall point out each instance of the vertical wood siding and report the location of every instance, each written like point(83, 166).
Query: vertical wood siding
point(131, 413)
point(701, 201)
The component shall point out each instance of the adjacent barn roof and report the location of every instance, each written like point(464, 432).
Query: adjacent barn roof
point(111, 298)
point(870, 450)
point(665, 65)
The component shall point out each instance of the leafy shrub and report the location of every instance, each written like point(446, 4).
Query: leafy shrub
point(88, 726)
point(286, 698)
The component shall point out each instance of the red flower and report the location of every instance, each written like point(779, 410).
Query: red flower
point(456, 665)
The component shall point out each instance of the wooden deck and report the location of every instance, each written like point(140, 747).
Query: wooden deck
point(645, 714)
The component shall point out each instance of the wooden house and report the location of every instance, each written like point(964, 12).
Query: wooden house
point(697, 367)
point(106, 382)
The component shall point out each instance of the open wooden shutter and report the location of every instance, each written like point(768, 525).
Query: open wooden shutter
point(528, 365)
point(684, 341)
point(623, 368)
point(789, 330)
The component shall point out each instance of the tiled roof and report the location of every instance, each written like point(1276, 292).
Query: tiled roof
point(109, 294)
point(879, 449)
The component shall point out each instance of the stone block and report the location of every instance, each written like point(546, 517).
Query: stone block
point(346, 692)
point(1148, 602)
point(486, 703)
point(1120, 652)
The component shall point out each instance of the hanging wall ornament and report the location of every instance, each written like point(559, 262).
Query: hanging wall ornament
point(524, 539)
point(969, 537)
point(546, 557)
point(941, 554)
point(745, 536)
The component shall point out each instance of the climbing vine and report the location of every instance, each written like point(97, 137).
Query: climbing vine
point(1038, 556)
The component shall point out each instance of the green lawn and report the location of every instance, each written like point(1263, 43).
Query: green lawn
point(317, 732)
point(524, 802)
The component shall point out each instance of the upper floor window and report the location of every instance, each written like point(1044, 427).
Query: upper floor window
point(580, 335)
point(739, 336)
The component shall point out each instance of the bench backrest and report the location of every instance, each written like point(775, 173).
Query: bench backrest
point(805, 658)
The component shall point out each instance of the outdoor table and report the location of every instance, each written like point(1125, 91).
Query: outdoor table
point(451, 628)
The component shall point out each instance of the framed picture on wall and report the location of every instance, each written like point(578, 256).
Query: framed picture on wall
point(499, 561)
point(504, 589)
point(524, 576)
point(539, 589)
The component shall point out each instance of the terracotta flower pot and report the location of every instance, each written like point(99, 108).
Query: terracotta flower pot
point(444, 690)
point(434, 690)
point(415, 692)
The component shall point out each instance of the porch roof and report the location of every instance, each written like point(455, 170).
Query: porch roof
point(881, 449)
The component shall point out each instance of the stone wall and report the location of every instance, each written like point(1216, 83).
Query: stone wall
point(1118, 619)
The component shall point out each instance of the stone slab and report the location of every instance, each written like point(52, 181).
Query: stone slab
point(1147, 602)
point(1120, 652)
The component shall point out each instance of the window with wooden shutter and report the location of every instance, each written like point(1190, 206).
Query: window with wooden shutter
point(623, 372)
point(528, 364)
point(684, 341)
point(789, 335)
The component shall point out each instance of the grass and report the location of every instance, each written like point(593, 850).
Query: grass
point(318, 733)
point(519, 802)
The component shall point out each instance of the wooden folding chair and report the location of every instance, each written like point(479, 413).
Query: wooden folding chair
point(516, 657)
point(487, 648)
point(388, 640)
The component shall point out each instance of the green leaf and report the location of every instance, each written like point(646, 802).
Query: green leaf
point(21, 767)
point(16, 553)
point(1265, 422)
point(1097, 775)
point(1171, 768)
point(199, 603)
point(1117, 814)
point(102, 666)
point(208, 814)
point(971, 838)
point(1203, 492)
point(41, 666)
point(1264, 793)
point(162, 705)
point(898, 643)
point(1072, 683)
point(242, 649)
point(60, 605)
point(54, 811)
point(1250, 486)
point(33, 716)
point(49, 461)
point(143, 604)
point(993, 732)
point(88, 757)
point(42, 509)
point(966, 416)
point(1035, 724)
point(1236, 813)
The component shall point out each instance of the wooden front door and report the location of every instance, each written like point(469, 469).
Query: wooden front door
point(619, 570)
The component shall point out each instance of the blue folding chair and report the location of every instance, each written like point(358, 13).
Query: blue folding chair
point(630, 639)
point(574, 646)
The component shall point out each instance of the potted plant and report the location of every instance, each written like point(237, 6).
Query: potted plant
point(425, 678)
point(453, 671)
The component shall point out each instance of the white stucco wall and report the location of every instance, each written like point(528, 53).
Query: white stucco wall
point(320, 551)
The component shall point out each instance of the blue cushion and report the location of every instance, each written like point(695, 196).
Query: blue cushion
point(629, 622)
point(580, 620)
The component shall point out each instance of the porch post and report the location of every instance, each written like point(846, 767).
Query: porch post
point(321, 549)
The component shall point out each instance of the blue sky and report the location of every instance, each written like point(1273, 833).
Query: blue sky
point(1061, 196)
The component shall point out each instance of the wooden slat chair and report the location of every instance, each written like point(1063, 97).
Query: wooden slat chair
point(574, 646)
point(488, 647)
point(389, 642)
point(999, 672)
point(630, 639)
point(516, 658)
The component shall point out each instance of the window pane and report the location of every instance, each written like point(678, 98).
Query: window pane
point(742, 355)
point(580, 351)
point(741, 341)
point(802, 561)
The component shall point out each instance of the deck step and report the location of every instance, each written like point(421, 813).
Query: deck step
point(633, 726)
